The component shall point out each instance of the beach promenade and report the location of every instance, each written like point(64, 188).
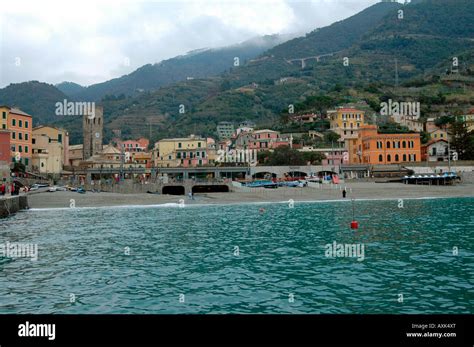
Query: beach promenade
point(356, 190)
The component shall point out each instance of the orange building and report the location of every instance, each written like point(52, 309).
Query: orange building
point(20, 125)
point(373, 148)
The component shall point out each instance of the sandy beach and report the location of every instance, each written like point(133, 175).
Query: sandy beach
point(357, 190)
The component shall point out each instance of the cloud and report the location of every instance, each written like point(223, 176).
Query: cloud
point(91, 41)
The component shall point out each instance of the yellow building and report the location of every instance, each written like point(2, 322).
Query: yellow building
point(439, 134)
point(346, 122)
point(4, 110)
point(50, 149)
point(184, 152)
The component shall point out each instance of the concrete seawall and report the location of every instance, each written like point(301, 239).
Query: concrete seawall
point(10, 205)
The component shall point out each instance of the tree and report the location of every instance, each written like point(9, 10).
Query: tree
point(314, 158)
point(282, 156)
point(331, 136)
point(462, 140)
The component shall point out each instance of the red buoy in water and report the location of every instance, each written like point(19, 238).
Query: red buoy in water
point(354, 223)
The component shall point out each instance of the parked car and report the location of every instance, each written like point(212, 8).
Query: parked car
point(56, 189)
point(37, 186)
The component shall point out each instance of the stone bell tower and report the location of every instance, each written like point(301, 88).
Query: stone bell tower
point(92, 129)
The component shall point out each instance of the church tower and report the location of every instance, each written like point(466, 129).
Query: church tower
point(92, 129)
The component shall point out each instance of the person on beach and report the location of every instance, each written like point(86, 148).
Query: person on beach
point(344, 193)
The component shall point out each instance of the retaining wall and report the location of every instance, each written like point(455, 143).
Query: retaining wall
point(12, 204)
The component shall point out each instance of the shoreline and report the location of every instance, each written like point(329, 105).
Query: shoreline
point(358, 191)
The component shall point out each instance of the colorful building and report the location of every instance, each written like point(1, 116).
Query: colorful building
point(346, 122)
point(140, 145)
point(371, 147)
point(184, 152)
point(4, 110)
point(435, 150)
point(20, 125)
point(50, 149)
point(267, 139)
point(468, 120)
point(5, 146)
point(225, 130)
point(333, 156)
point(438, 134)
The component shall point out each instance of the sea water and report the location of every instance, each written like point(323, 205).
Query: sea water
point(248, 258)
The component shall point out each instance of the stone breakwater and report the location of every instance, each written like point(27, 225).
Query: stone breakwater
point(13, 204)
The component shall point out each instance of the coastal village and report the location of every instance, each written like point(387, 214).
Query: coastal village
point(45, 152)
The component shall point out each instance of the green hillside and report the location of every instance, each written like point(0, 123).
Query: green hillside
point(197, 64)
point(35, 98)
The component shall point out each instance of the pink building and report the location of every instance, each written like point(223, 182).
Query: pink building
point(267, 139)
point(140, 145)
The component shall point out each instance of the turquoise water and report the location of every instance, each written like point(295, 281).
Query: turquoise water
point(281, 256)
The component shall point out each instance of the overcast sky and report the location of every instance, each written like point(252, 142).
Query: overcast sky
point(91, 41)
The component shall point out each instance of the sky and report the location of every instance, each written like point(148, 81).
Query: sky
point(92, 41)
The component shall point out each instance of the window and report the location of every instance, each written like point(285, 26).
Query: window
point(169, 157)
point(26, 149)
point(199, 144)
point(404, 157)
point(20, 136)
point(13, 148)
point(13, 135)
point(389, 158)
point(4, 115)
point(4, 126)
point(20, 149)
point(33, 141)
point(388, 144)
point(414, 157)
point(26, 136)
point(26, 124)
point(20, 123)
point(179, 145)
point(203, 154)
point(397, 158)
point(27, 161)
point(380, 158)
point(178, 155)
point(404, 144)
point(200, 162)
point(13, 122)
